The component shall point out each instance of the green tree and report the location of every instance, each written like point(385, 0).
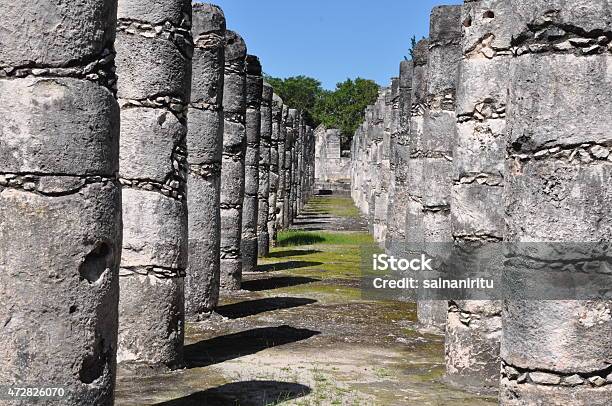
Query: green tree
point(299, 92)
point(344, 107)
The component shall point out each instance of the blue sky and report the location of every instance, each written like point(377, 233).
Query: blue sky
point(330, 40)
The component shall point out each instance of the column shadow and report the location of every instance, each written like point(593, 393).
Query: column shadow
point(231, 346)
point(284, 266)
point(253, 307)
point(243, 393)
point(256, 285)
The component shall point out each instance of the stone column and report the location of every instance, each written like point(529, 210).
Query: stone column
point(437, 150)
point(251, 188)
point(282, 175)
point(289, 150)
point(394, 132)
point(380, 166)
point(295, 162)
point(154, 50)
point(263, 238)
point(477, 214)
point(275, 142)
point(397, 219)
point(414, 207)
point(301, 166)
point(232, 167)
point(205, 144)
point(60, 203)
point(557, 194)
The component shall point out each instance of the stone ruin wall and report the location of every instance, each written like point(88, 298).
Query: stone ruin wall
point(143, 153)
point(330, 167)
point(504, 140)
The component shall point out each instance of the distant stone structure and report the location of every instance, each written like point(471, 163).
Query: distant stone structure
point(332, 170)
point(265, 171)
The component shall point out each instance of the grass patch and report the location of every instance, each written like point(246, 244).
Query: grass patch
point(333, 206)
point(294, 238)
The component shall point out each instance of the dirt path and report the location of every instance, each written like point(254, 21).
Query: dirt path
point(300, 334)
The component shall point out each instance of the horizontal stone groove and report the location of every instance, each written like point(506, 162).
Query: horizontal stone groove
point(173, 188)
point(236, 67)
point(481, 178)
point(42, 184)
point(444, 42)
point(485, 110)
point(234, 117)
point(466, 317)
point(230, 253)
point(206, 170)
point(209, 40)
point(202, 105)
point(99, 69)
point(180, 36)
point(416, 154)
point(436, 208)
point(477, 237)
point(484, 48)
point(547, 36)
point(159, 101)
point(585, 153)
point(548, 377)
point(152, 270)
point(229, 206)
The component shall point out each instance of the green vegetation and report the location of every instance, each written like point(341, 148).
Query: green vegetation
point(293, 238)
point(342, 108)
point(333, 206)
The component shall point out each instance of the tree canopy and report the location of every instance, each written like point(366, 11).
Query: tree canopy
point(341, 108)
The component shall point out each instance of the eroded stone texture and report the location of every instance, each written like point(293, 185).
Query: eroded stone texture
point(205, 144)
point(414, 209)
point(474, 327)
point(394, 130)
point(558, 189)
point(292, 119)
point(276, 141)
point(154, 68)
point(396, 234)
point(232, 167)
point(437, 149)
point(60, 202)
point(251, 188)
point(263, 238)
point(282, 178)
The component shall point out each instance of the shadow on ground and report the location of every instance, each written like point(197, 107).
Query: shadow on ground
point(285, 266)
point(223, 348)
point(291, 253)
point(244, 393)
point(253, 307)
point(257, 285)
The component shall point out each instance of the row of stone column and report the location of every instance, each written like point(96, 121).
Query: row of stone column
point(144, 165)
point(498, 131)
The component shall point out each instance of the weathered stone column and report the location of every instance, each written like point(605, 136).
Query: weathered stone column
point(251, 188)
point(263, 237)
point(295, 165)
point(414, 191)
point(205, 145)
point(292, 117)
point(282, 177)
point(558, 200)
point(276, 145)
point(394, 132)
point(60, 203)
point(301, 166)
point(437, 150)
point(154, 50)
point(380, 169)
point(397, 219)
point(473, 327)
point(232, 167)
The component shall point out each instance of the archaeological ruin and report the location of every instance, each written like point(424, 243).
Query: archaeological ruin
point(158, 194)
